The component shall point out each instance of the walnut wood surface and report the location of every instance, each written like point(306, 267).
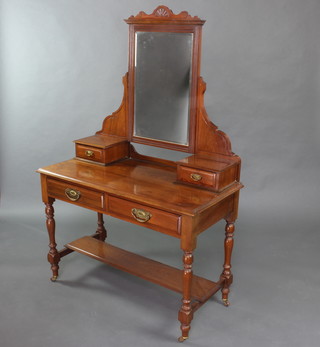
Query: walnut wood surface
point(185, 174)
point(163, 221)
point(53, 255)
point(216, 181)
point(97, 153)
point(101, 141)
point(139, 181)
point(208, 138)
point(212, 162)
point(227, 274)
point(163, 15)
point(182, 210)
point(185, 314)
point(88, 198)
point(101, 230)
point(213, 214)
point(110, 154)
point(117, 123)
point(145, 268)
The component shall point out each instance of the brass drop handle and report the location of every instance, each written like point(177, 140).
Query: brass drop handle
point(72, 194)
point(196, 177)
point(141, 215)
point(89, 153)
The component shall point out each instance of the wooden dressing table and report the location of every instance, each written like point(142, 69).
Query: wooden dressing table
point(162, 106)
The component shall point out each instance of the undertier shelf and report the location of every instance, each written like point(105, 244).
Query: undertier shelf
point(150, 270)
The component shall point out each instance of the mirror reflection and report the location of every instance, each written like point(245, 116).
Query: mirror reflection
point(163, 63)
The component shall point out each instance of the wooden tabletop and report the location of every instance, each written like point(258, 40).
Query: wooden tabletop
point(140, 181)
point(101, 141)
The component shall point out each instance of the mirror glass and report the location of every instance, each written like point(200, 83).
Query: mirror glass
point(163, 63)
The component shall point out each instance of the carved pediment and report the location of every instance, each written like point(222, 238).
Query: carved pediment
point(164, 14)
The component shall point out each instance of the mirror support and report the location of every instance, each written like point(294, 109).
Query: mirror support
point(204, 136)
point(117, 123)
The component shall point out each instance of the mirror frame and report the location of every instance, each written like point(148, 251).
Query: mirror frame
point(164, 20)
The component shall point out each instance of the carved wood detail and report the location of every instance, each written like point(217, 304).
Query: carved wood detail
point(186, 313)
point(117, 123)
point(53, 255)
point(140, 181)
point(163, 13)
point(227, 274)
point(209, 139)
point(101, 230)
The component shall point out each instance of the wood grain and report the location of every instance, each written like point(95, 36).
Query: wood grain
point(160, 220)
point(88, 198)
point(53, 255)
point(117, 123)
point(97, 153)
point(138, 181)
point(227, 274)
point(164, 15)
point(185, 174)
point(125, 180)
point(209, 139)
point(148, 269)
point(101, 141)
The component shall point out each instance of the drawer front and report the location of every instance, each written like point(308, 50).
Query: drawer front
point(196, 176)
point(75, 194)
point(89, 153)
point(146, 216)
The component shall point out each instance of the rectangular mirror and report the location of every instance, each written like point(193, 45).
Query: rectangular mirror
point(162, 80)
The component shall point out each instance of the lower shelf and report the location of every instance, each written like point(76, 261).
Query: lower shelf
point(151, 270)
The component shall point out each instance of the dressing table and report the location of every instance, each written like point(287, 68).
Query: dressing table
point(162, 106)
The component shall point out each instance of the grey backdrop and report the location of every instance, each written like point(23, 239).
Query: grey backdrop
point(61, 69)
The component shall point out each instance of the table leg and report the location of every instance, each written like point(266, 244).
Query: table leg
point(53, 255)
point(185, 313)
point(101, 229)
point(227, 274)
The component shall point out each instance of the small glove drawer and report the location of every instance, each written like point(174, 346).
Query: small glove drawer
point(89, 153)
point(102, 149)
point(215, 172)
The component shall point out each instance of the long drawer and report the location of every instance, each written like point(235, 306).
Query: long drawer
point(143, 215)
point(76, 194)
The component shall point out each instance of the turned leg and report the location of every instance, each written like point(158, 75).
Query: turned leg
point(185, 313)
point(101, 229)
point(53, 255)
point(227, 274)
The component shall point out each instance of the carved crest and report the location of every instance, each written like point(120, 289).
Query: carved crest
point(163, 13)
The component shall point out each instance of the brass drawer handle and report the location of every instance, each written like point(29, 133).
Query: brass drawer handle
point(89, 153)
point(196, 177)
point(141, 215)
point(72, 194)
